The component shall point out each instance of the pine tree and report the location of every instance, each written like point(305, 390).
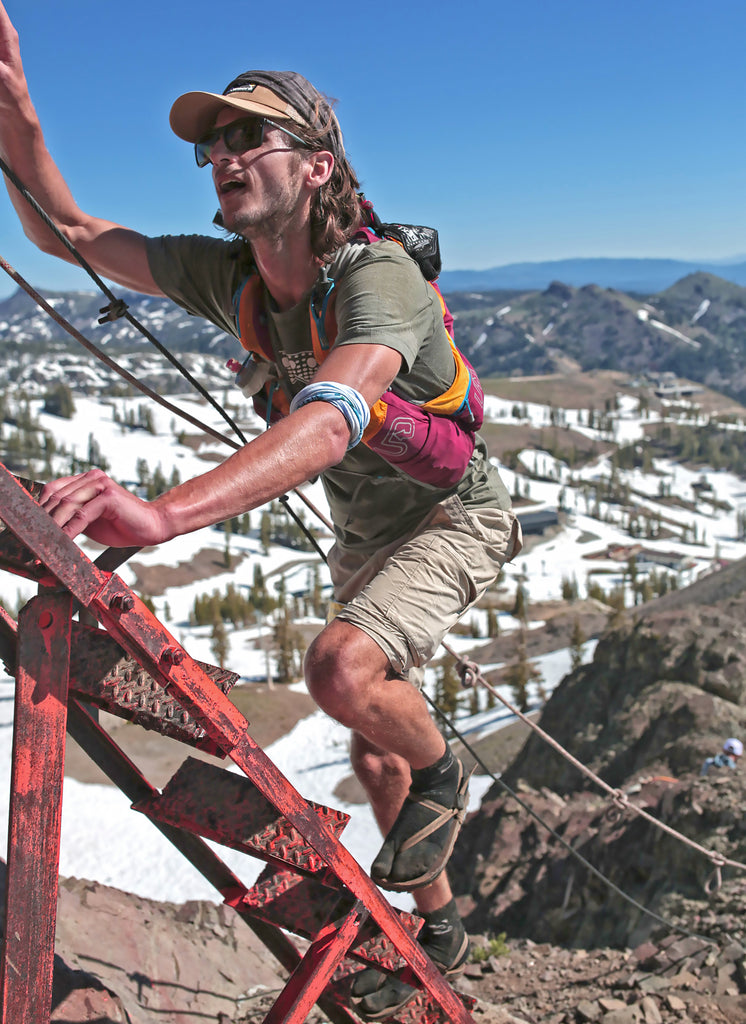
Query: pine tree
point(520, 607)
point(265, 532)
point(520, 673)
point(58, 401)
point(577, 639)
point(286, 646)
point(318, 605)
point(157, 483)
point(493, 626)
point(143, 472)
point(448, 686)
point(227, 560)
point(219, 643)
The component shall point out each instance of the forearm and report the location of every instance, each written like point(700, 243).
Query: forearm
point(293, 451)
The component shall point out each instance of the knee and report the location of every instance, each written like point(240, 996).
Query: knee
point(338, 673)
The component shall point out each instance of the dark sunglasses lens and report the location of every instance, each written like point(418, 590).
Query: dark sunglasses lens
point(202, 151)
point(237, 138)
point(243, 135)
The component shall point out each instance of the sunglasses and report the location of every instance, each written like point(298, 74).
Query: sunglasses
point(238, 137)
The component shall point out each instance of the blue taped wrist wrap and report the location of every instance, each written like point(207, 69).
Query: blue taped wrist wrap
point(350, 403)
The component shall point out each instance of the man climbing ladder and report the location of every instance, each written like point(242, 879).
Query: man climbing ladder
point(382, 411)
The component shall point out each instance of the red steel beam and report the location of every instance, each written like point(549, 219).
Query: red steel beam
point(315, 970)
point(141, 634)
point(35, 808)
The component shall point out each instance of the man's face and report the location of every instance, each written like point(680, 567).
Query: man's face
point(260, 190)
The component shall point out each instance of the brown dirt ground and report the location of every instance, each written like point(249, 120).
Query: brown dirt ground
point(506, 437)
point(593, 389)
point(566, 391)
point(153, 580)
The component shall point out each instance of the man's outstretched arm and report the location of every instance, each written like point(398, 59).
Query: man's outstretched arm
point(294, 450)
point(113, 251)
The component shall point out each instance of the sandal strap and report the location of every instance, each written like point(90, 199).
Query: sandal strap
point(442, 813)
point(443, 816)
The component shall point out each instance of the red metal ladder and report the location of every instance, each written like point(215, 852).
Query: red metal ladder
point(311, 887)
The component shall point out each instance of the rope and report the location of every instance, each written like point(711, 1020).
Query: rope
point(620, 801)
point(117, 307)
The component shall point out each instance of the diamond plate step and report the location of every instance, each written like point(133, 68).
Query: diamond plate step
point(101, 673)
point(424, 1010)
point(227, 808)
point(303, 905)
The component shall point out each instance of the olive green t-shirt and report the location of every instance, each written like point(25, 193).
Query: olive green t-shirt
point(381, 299)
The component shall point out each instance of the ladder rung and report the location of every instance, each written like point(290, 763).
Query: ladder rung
point(228, 808)
point(424, 1010)
point(303, 905)
point(101, 673)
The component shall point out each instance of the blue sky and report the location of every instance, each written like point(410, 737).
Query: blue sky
point(530, 131)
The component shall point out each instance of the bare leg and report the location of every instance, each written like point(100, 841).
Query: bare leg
point(386, 778)
point(346, 673)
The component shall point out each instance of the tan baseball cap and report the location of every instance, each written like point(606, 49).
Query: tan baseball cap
point(283, 95)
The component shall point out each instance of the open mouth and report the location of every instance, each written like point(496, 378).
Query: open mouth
point(229, 186)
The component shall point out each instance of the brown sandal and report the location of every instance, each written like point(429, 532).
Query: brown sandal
point(427, 824)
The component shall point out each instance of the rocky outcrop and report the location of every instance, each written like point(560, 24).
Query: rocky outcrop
point(664, 689)
point(529, 883)
point(123, 958)
point(661, 694)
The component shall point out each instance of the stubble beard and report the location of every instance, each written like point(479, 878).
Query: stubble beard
point(270, 218)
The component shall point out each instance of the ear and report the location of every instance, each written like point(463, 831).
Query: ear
point(319, 167)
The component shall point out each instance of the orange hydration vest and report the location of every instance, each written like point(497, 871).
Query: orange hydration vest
point(431, 442)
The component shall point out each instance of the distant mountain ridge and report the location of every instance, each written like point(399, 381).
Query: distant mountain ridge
point(695, 329)
point(628, 275)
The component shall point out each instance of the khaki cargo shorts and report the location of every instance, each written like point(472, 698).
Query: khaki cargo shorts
point(409, 595)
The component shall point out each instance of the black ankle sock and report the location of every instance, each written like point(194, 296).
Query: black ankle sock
point(440, 777)
point(443, 933)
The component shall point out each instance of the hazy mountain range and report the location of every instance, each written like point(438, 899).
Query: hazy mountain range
point(629, 275)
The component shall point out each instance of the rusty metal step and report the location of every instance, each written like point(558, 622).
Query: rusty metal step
point(15, 556)
point(102, 674)
point(303, 905)
point(424, 1010)
point(227, 808)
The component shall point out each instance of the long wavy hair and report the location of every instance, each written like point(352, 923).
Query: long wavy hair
point(335, 212)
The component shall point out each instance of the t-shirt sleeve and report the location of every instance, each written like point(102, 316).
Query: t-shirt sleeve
point(383, 299)
point(198, 273)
